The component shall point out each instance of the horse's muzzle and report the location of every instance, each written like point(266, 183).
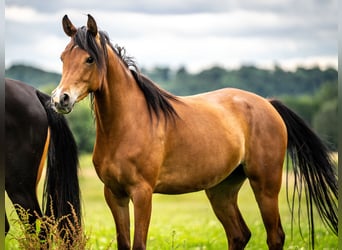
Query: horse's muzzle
point(62, 104)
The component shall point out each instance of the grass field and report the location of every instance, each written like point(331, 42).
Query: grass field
point(183, 221)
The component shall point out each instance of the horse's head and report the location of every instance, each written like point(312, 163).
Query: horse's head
point(83, 65)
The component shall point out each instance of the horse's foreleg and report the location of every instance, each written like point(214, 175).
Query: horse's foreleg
point(223, 199)
point(120, 210)
point(142, 200)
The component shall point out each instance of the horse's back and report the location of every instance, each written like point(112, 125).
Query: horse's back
point(255, 115)
point(238, 110)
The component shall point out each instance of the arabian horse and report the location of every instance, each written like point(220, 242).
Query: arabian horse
point(35, 131)
point(150, 141)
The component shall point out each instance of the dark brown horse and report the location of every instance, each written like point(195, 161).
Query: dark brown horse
point(150, 141)
point(33, 131)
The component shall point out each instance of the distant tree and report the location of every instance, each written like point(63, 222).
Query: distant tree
point(162, 73)
point(181, 72)
point(211, 79)
point(304, 105)
point(319, 111)
point(327, 91)
point(32, 75)
point(183, 82)
point(325, 123)
point(81, 122)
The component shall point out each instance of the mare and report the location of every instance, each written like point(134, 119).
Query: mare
point(35, 131)
point(150, 141)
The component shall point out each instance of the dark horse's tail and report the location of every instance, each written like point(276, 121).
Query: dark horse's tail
point(61, 187)
point(313, 169)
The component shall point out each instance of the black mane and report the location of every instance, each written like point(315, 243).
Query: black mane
point(158, 100)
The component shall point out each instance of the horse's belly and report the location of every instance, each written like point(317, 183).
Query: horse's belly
point(196, 173)
point(203, 149)
point(185, 185)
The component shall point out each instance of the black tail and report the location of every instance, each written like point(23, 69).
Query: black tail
point(313, 169)
point(61, 187)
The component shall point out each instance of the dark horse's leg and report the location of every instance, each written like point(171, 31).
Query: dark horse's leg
point(22, 176)
point(20, 185)
point(24, 197)
point(223, 198)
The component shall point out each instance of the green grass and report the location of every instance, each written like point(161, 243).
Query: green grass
point(183, 221)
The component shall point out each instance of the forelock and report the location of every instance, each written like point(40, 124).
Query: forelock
point(86, 41)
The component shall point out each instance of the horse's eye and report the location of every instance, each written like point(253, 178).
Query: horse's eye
point(90, 60)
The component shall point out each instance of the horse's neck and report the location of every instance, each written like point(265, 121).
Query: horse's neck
point(119, 102)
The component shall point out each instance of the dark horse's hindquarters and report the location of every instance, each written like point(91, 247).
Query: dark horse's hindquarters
point(29, 119)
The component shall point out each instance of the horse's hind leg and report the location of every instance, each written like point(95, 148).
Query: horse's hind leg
point(26, 200)
point(223, 199)
point(266, 183)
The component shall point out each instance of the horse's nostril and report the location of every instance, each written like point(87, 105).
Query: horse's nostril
point(64, 100)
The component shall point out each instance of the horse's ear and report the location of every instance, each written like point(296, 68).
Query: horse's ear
point(91, 25)
point(68, 27)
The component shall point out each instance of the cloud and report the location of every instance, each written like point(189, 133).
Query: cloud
point(318, 7)
point(174, 33)
point(142, 6)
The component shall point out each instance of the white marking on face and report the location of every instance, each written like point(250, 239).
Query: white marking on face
point(56, 93)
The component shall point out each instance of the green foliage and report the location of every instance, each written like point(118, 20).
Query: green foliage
point(304, 105)
point(33, 76)
point(82, 124)
point(263, 82)
point(325, 121)
point(326, 124)
point(319, 111)
point(28, 236)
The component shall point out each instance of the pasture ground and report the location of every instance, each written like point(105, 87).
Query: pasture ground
point(183, 221)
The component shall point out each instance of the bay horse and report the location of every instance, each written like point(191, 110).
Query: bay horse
point(34, 132)
point(150, 141)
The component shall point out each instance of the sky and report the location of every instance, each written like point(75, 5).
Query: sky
point(196, 34)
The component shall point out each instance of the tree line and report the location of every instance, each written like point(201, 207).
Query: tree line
point(311, 92)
